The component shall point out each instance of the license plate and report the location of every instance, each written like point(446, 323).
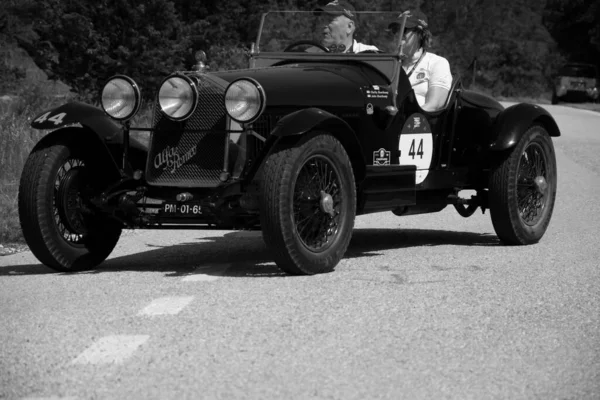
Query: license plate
point(182, 208)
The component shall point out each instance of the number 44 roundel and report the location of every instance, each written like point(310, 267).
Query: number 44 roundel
point(416, 145)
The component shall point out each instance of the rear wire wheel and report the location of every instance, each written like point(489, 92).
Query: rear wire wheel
point(60, 225)
point(308, 204)
point(523, 189)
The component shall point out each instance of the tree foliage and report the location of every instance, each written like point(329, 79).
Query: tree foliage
point(510, 47)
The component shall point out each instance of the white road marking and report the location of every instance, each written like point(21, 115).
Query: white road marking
point(112, 349)
point(166, 305)
point(207, 273)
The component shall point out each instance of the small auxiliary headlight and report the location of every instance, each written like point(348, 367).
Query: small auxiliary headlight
point(121, 97)
point(178, 97)
point(245, 100)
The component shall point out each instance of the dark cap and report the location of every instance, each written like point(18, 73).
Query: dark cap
point(414, 19)
point(337, 7)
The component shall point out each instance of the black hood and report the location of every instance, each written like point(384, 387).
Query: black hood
point(309, 84)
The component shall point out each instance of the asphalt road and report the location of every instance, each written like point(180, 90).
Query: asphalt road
point(422, 307)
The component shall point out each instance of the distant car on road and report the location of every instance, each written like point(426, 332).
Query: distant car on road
point(576, 82)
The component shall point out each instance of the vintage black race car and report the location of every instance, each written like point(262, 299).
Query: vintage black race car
point(296, 145)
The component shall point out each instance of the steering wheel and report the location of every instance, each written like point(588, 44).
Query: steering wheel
point(304, 42)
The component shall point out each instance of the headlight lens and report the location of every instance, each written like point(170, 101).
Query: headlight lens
point(178, 97)
point(121, 97)
point(244, 100)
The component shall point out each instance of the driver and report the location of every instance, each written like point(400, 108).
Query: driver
point(428, 73)
point(337, 19)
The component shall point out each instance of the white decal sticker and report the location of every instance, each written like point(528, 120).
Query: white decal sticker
point(42, 118)
point(417, 122)
point(170, 159)
point(58, 118)
point(377, 93)
point(369, 109)
point(417, 149)
point(381, 157)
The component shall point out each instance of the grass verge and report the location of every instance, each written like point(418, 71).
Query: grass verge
point(16, 141)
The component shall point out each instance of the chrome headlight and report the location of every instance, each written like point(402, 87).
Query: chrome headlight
point(178, 97)
point(245, 100)
point(121, 97)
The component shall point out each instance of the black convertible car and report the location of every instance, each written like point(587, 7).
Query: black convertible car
point(296, 145)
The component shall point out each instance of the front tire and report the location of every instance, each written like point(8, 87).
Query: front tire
point(523, 189)
point(308, 204)
point(59, 224)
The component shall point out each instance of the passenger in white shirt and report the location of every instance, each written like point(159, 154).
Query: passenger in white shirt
point(429, 74)
point(338, 21)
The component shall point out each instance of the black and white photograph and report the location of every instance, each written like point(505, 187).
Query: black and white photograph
point(299, 199)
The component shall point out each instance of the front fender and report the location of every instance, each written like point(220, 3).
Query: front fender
point(95, 122)
point(514, 121)
point(309, 119)
point(84, 137)
point(78, 113)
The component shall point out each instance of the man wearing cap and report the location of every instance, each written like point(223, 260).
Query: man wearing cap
point(428, 73)
point(337, 19)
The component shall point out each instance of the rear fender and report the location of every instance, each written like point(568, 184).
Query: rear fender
point(303, 121)
point(514, 121)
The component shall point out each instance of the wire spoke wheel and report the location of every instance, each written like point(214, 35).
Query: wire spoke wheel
point(532, 184)
point(317, 202)
point(67, 202)
point(522, 188)
point(60, 225)
point(308, 203)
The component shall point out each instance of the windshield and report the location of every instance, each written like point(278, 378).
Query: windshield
point(307, 31)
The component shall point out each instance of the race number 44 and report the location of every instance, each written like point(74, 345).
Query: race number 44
point(416, 149)
point(419, 153)
point(57, 119)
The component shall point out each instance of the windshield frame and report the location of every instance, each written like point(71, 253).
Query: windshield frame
point(388, 64)
point(256, 47)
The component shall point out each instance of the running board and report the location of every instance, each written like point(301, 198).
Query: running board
point(387, 187)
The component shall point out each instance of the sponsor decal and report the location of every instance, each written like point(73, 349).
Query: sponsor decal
point(421, 75)
point(369, 109)
point(376, 92)
point(417, 122)
point(171, 160)
point(381, 157)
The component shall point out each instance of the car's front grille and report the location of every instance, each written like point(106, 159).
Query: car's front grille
point(263, 126)
point(191, 152)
